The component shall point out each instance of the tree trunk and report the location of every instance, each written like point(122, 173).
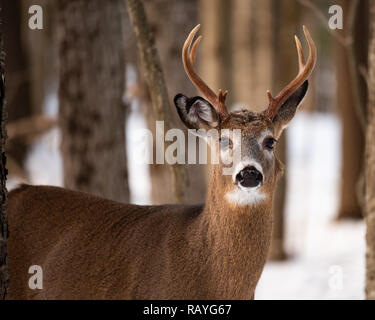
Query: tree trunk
point(41, 49)
point(277, 249)
point(4, 274)
point(18, 74)
point(285, 68)
point(348, 104)
point(370, 164)
point(216, 49)
point(252, 35)
point(92, 82)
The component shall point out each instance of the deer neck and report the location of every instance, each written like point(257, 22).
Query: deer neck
point(238, 237)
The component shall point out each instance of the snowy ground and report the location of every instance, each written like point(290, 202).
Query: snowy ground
point(326, 257)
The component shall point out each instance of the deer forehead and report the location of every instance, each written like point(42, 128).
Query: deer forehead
point(251, 124)
point(251, 134)
point(255, 132)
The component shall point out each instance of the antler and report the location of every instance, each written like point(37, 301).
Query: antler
point(217, 101)
point(305, 70)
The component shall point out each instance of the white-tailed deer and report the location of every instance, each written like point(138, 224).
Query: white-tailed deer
point(93, 248)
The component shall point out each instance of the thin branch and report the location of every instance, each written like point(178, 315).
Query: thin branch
point(30, 127)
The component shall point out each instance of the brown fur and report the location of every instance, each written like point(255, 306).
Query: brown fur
point(92, 248)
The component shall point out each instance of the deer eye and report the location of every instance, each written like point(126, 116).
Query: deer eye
point(225, 142)
point(269, 143)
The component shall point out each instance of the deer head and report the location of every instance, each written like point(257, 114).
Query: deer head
point(256, 172)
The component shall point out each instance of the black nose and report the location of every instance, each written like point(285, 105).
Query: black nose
point(249, 177)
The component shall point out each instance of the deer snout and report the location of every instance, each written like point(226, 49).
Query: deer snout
point(249, 177)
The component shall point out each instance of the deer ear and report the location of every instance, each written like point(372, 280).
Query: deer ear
point(196, 112)
point(288, 110)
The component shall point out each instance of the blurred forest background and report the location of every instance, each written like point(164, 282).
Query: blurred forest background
point(77, 94)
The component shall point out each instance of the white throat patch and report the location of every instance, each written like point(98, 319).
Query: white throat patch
point(245, 196)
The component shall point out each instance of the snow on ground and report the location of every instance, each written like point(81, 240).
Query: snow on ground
point(136, 147)
point(44, 164)
point(326, 257)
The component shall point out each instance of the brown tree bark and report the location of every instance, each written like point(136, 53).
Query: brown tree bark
point(252, 36)
point(4, 274)
point(161, 107)
point(92, 82)
point(18, 75)
point(370, 164)
point(42, 51)
point(216, 49)
point(285, 68)
point(351, 96)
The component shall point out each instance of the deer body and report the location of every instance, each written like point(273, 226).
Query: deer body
point(92, 248)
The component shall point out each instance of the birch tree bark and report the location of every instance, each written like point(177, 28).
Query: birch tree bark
point(370, 164)
point(91, 110)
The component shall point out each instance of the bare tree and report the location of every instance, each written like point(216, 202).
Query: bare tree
point(370, 164)
point(4, 275)
point(351, 97)
point(92, 82)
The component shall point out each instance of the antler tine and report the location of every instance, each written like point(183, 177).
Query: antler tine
point(223, 96)
point(305, 70)
point(193, 49)
point(301, 58)
point(188, 60)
